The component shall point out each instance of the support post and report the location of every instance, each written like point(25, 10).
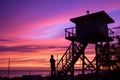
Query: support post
point(73, 52)
point(108, 56)
point(8, 68)
point(108, 59)
point(83, 65)
point(97, 63)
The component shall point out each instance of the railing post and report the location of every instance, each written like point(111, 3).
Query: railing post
point(72, 31)
point(62, 62)
point(69, 32)
point(65, 33)
point(66, 58)
point(110, 33)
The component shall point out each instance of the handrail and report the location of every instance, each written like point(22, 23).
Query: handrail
point(64, 55)
point(110, 33)
point(64, 58)
point(63, 64)
point(70, 32)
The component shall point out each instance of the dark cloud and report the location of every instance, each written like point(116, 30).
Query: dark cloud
point(4, 40)
point(2, 59)
point(17, 49)
point(117, 27)
point(21, 60)
point(28, 60)
point(28, 48)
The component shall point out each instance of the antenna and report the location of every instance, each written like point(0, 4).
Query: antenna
point(87, 12)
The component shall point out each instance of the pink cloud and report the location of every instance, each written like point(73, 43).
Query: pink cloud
point(37, 24)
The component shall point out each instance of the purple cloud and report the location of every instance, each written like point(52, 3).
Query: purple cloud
point(27, 48)
point(4, 40)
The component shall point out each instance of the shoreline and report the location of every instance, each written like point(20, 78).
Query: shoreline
point(113, 75)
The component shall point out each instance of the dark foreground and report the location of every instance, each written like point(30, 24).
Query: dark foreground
point(113, 75)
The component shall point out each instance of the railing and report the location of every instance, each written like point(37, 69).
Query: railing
point(110, 33)
point(65, 58)
point(70, 32)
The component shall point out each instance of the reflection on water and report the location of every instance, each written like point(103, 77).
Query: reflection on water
point(19, 73)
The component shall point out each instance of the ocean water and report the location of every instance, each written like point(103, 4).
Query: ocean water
point(19, 73)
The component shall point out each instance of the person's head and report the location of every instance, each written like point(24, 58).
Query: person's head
point(52, 56)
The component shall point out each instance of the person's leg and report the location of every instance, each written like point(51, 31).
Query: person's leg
point(51, 72)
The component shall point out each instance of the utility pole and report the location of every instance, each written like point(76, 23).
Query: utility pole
point(8, 68)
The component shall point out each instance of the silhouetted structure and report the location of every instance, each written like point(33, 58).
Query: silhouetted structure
point(91, 28)
point(53, 69)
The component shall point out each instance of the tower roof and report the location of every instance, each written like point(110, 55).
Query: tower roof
point(102, 15)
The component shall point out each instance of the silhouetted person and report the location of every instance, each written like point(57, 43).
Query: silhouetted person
point(52, 63)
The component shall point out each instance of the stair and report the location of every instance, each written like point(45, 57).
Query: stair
point(70, 58)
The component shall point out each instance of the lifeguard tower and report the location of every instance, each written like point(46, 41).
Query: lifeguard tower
point(90, 28)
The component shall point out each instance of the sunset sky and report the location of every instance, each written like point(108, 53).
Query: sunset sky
point(32, 30)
